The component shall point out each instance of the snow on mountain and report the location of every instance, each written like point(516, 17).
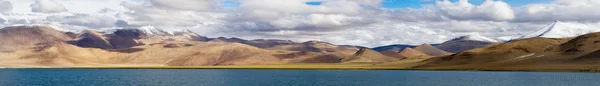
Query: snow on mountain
point(477, 37)
point(467, 43)
point(153, 31)
point(560, 29)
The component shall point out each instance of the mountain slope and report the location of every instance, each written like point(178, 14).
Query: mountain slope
point(92, 39)
point(367, 55)
point(500, 54)
point(466, 43)
point(52, 48)
point(29, 37)
point(393, 54)
point(395, 48)
point(410, 53)
point(431, 51)
point(560, 29)
point(127, 38)
point(565, 54)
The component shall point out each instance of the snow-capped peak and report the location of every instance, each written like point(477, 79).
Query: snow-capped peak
point(151, 30)
point(477, 37)
point(560, 29)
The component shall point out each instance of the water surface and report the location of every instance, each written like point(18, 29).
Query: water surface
point(204, 77)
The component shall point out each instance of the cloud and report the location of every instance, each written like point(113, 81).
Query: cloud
point(347, 22)
point(5, 6)
point(47, 6)
point(191, 5)
point(369, 2)
point(273, 9)
point(413, 15)
point(90, 21)
point(142, 14)
point(489, 10)
point(2, 21)
point(304, 23)
point(565, 10)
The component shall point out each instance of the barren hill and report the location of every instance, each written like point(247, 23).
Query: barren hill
point(410, 53)
point(29, 37)
point(46, 47)
point(431, 51)
point(501, 54)
point(367, 55)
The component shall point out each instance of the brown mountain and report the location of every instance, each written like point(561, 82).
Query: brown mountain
point(127, 38)
point(393, 54)
point(513, 52)
point(92, 39)
point(410, 53)
point(62, 54)
point(431, 51)
point(127, 47)
point(366, 55)
point(29, 37)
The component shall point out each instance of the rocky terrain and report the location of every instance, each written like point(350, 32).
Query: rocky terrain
point(44, 46)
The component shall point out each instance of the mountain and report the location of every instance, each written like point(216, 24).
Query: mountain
point(92, 39)
point(392, 54)
point(48, 47)
point(29, 37)
point(395, 48)
point(500, 54)
point(130, 37)
point(150, 35)
point(560, 29)
point(261, 43)
point(411, 53)
point(366, 55)
point(466, 43)
point(431, 51)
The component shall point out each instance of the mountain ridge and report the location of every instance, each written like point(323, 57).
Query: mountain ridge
point(559, 29)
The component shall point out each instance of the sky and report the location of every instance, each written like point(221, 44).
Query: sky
point(367, 23)
point(420, 3)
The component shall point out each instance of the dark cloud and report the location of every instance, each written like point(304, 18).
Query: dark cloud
point(2, 21)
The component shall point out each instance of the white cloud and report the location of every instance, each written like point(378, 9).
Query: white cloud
point(489, 10)
point(273, 9)
point(47, 6)
point(348, 22)
point(191, 5)
point(565, 10)
point(90, 21)
point(369, 2)
point(5, 6)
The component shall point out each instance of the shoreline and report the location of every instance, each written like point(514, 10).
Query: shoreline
point(322, 68)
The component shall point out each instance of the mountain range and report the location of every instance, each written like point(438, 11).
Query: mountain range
point(45, 46)
point(550, 48)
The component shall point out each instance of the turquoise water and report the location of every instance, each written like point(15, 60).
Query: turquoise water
point(202, 77)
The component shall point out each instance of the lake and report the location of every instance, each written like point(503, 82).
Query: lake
point(208, 77)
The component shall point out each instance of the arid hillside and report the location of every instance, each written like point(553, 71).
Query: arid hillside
point(43, 46)
point(580, 54)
